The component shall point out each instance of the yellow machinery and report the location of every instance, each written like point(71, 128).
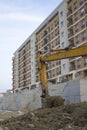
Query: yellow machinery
point(60, 54)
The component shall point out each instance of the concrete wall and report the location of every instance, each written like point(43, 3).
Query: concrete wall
point(83, 90)
point(72, 91)
point(16, 72)
point(26, 99)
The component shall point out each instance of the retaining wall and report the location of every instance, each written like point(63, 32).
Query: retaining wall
point(72, 91)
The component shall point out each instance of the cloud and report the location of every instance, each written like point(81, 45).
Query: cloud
point(13, 11)
point(20, 17)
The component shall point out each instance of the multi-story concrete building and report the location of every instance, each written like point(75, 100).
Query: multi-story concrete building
point(65, 26)
point(77, 34)
point(24, 65)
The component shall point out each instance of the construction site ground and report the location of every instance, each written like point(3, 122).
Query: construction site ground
point(66, 117)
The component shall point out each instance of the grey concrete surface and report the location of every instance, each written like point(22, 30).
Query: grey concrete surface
point(72, 91)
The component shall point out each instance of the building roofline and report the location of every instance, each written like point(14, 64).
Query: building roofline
point(49, 17)
point(41, 25)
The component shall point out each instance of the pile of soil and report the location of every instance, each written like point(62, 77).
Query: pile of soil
point(54, 101)
point(69, 117)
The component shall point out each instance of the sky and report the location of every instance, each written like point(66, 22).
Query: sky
point(18, 20)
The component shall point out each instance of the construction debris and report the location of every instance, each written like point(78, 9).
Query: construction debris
point(69, 117)
point(54, 101)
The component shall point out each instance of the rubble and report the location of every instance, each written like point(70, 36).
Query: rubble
point(65, 117)
point(54, 101)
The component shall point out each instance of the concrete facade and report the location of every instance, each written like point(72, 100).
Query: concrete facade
point(63, 36)
point(15, 71)
point(33, 70)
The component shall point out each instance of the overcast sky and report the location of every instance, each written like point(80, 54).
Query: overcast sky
point(18, 19)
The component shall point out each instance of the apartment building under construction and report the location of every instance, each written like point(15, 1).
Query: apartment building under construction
point(65, 26)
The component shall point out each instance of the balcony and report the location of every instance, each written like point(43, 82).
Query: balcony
point(84, 38)
point(24, 57)
point(70, 34)
point(69, 1)
point(85, 64)
point(24, 64)
point(82, 2)
point(71, 43)
point(77, 42)
point(78, 66)
point(47, 48)
point(46, 40)
point(48, 66)
point(72, 66)
point(36, 47)
point(70, 22)
point(24, 51)
point(36, 40)
point(69, 12)
point(59, 73)
point(24, 78)
point(82, 14)
point(84, 25)
point(85, 61)
point(24, 71)
point(46, 32)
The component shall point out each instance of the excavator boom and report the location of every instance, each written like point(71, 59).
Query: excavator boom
point(66, 53)
point(61, 54)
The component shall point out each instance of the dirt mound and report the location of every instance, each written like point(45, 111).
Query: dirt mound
point(69, 117)
point(54, 101)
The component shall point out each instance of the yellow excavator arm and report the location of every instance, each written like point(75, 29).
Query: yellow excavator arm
point(60, 54)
